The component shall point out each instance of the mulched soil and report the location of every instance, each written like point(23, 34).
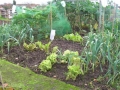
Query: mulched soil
point(32, 59)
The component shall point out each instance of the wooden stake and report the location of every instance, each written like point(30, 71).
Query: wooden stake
point(100, 9)
point(51, 14)
point(113, 17)
point(65, 11)
point(103, 21)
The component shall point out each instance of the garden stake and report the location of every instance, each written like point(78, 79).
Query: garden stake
point(100, 9)
point(113, 20)
point(103, 20)
point(51, 14)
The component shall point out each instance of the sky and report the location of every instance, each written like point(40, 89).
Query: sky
point(25, 1)
point(104, 2)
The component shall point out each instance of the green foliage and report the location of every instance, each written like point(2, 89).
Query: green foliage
point(46, 47)
point(55, 49)
point(34, 17)
point(61, 58)
point(76, 66)
point(52, 57)
point(88, 7)
point(64, 57)
point(25, 79)
point(15, 31)
point(78, 11)
point(68, 55)
point(76, 61)
point(103, 48)
point(68, 52)
point(108, 25)
point(74, 37)
point(50, 60)
point(45, 65)
point(93, 44)
point(62, 26)
point(29, 47)
point(40, 21)
point(73, 72)
point(39, 44)
point(42, 46)
point(14, 35)
point(9, 33)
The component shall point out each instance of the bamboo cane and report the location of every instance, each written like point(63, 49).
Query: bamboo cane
point(51, 14)
point(113, 21)
point(103, 21)
point(100, 9)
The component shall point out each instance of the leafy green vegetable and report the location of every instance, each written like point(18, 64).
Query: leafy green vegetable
point(68, 55)
point(55, 49)
point(39, 44)
point(66, 52)
point(52, 57)
point(74, 37)
point(45, 65)
point(73, 72)
point(76, 66)
point(29, 47)
point(44, 47)
point(75, 61)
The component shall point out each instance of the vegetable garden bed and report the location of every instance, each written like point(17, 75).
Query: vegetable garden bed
point(32, 59)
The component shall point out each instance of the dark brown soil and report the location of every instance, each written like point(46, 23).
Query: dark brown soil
point(32, 59)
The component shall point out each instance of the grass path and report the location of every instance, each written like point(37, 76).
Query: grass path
point(24, 79)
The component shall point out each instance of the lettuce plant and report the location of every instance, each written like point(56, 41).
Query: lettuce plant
point(55, 49)
point(73, 37)
point(73, 72)
point(52, 57)
point(45, 65)
point(68, 55)
point(76, 66)
point(67, 52)
point(29, 47)
point(44, 47)
point(39, 44)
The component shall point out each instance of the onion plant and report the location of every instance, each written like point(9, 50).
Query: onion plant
point(103, 48)
point(12, 34)
point(6, 36)
point(92, 49)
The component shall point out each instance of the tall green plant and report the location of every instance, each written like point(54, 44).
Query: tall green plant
point(8, 34)
point(103, 48)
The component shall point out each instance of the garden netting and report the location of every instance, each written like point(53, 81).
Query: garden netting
point(39, 20)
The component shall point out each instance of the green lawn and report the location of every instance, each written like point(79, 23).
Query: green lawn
point(24, 79)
